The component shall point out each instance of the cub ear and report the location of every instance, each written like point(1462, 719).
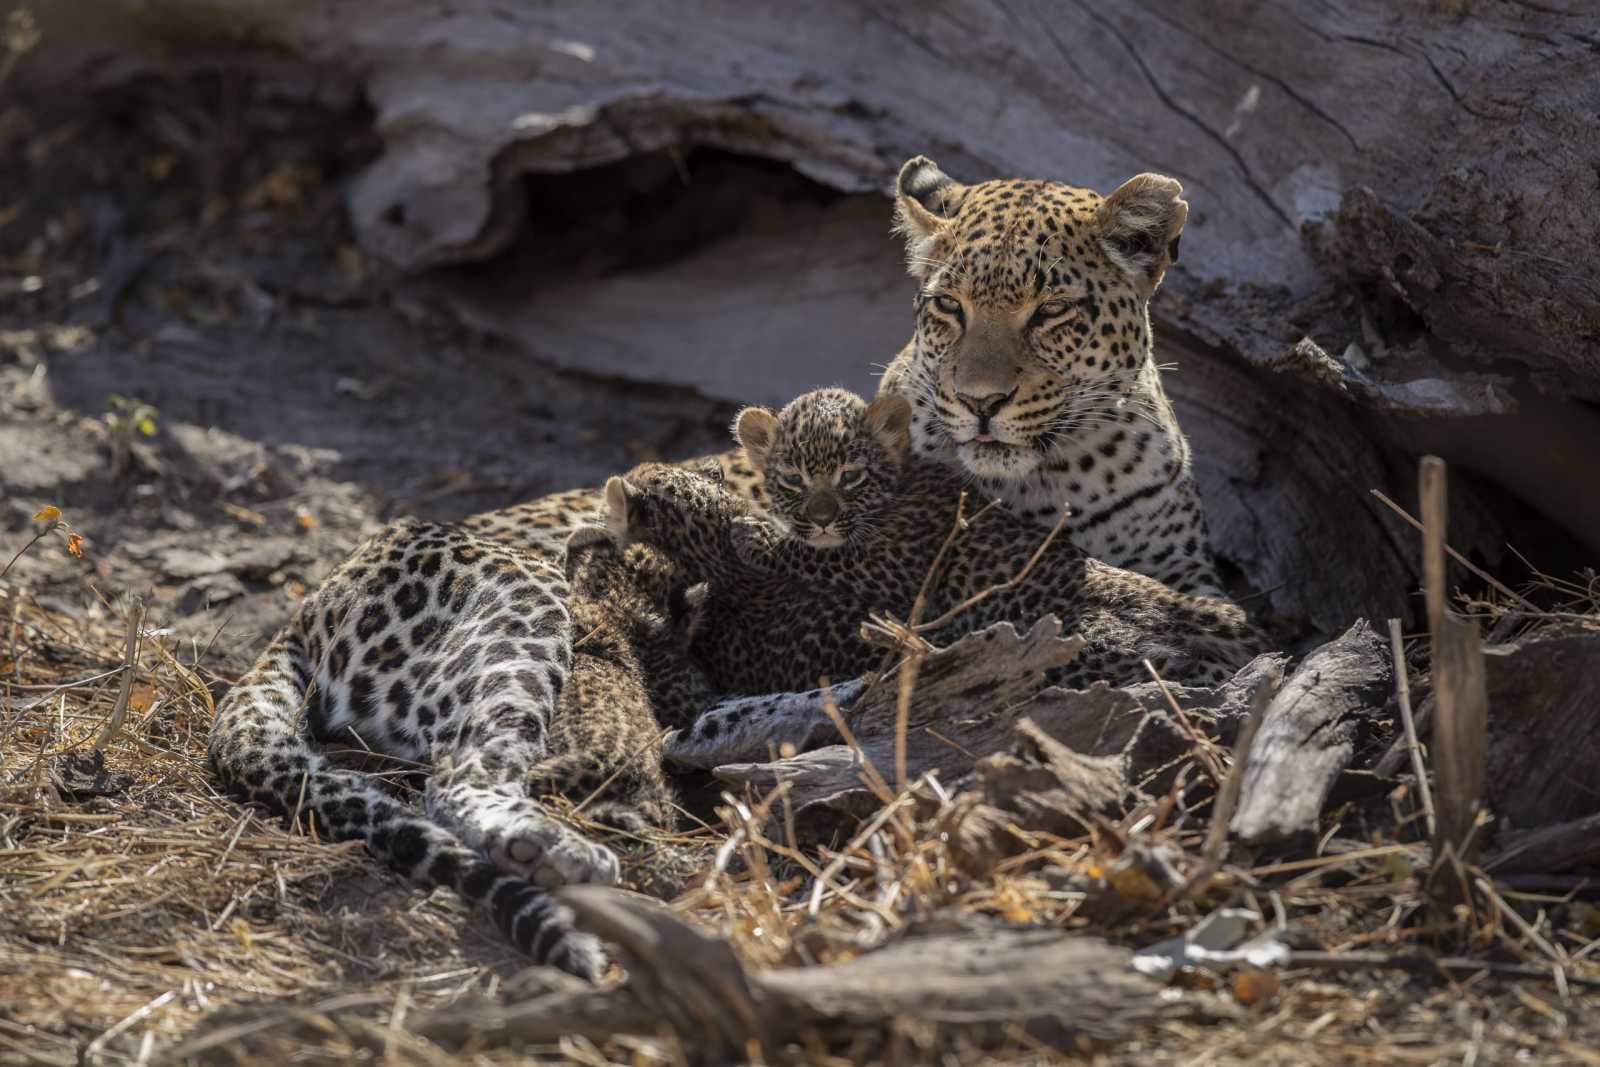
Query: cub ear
point(581, 538)
point(584, 536)
point(619, 495)
point(757, 431)
point(926, 199)
point(694, 610)
point(1140, 225)
point(889, 419)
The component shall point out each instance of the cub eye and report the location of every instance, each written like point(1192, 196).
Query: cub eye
point(790, 480)
point(947, 304)
point(850, 477)
point(1051, 309)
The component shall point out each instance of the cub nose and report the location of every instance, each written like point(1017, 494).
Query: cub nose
point(986, 406)
point(822, 508)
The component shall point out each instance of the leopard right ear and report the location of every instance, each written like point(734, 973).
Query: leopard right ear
point(619, 496)
point(889, 419)
point(757, 431)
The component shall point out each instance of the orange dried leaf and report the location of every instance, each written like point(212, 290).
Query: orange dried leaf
point(1254, 987)
point(305, 520)
point(75, 544)
point(48, 513)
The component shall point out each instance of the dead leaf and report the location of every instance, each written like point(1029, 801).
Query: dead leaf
point(75, 544)
point(1254, 987)
point(305, 520)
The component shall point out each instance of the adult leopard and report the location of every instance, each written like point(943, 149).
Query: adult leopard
point(448, 649)
point(1031, 365)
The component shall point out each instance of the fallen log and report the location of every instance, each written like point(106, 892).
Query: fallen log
point(1308, 736)
point(974, 977)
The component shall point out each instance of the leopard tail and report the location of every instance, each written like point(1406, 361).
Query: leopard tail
point(261, 754)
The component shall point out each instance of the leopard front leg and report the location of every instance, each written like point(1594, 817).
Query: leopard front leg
point(497, 677)
point(479, 789)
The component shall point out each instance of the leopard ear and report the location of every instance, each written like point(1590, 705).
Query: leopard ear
point(926, 199)
point(619, 495)
point(889, 419)
point(1140, 225)
point(579, 539)
point(584, 536)
point(757, 431)
point(694, 609)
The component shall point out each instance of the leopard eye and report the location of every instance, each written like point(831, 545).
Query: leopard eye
point(948, 304)
point(1050, 309)
point(790, 480)
point(850, 477)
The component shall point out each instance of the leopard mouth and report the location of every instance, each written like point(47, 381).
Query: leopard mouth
point(995, 459)
point(829, 538)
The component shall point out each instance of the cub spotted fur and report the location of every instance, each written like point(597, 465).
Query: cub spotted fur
point(830, 454)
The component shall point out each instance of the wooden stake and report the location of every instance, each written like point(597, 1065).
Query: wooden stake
point(1461, 705)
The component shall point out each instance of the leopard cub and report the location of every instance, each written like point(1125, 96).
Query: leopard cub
point(851, 509)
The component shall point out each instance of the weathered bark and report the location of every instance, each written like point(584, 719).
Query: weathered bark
point(1308, 736)
point(1409, 186)
point(1544, 734)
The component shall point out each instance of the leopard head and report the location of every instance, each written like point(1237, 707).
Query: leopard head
point(829, 459)
point(1032, 318)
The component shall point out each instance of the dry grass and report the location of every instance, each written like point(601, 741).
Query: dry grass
point(162, 916)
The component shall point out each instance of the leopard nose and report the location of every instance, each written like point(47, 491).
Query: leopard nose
point(822, 508)
point(986, 406)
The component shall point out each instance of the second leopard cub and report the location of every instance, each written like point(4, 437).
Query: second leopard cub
point(857, 511)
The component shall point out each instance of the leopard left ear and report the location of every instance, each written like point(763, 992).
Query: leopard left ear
point(889, 419)
point(1140, 225)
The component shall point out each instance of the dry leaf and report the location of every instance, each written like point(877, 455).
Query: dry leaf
point(305, 520)
point(75, 544)
point(1254, 987)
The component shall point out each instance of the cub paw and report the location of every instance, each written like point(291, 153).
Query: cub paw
point(754, 541)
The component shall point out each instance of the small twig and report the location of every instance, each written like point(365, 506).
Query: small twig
point(1498, 585)
point(130, 661)
point(869, 772)
point(902, 716)
point(1510, 914)
point(1204, 747)
point(1450, 965)
point(1403, 689)
point(1227, 800)
point(873, 825)
point(1016, 580)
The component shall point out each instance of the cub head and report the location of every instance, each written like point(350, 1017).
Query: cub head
point(635, 586)
point(829, 459)
point(1031, 309)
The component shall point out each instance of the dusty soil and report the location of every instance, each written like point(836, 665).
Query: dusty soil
point(188, 250)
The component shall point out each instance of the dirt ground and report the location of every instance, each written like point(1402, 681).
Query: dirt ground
point(155, 251)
